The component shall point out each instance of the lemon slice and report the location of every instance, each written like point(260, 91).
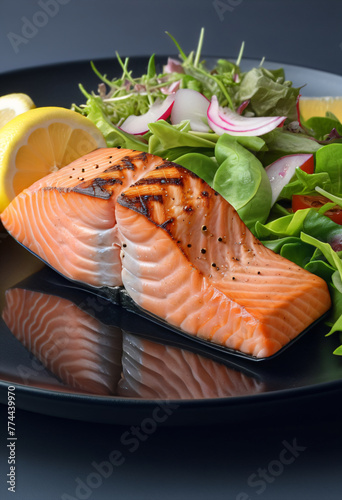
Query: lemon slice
point(318, 106)
point(12, 105)
point(41, 141)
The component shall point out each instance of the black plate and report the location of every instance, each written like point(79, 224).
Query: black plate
point(196, 385)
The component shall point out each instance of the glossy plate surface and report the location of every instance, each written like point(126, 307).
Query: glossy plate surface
point(74, 354)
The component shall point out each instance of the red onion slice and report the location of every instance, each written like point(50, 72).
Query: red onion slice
point(281, 171)
point(173, 66)
point(223, 120)
point(172, 88)
point(160, 110)
point(242, 107)
point(193, 106)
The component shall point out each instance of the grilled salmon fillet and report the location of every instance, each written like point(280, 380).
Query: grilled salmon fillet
point(186, 256)
point(68, 217)
point(189, 259)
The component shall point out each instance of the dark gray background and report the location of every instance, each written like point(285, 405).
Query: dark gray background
point(306, 32)
point(202, 463)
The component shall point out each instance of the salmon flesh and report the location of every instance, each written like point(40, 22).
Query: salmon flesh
point(68, 217)
point(189, 259)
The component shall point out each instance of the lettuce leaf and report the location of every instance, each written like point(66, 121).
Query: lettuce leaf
point(305, 184)
point(329, 159)
point(113, 135)
point(269, 93)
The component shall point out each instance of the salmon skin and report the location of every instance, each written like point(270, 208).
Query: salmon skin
point(68, 218)
point(188, 259)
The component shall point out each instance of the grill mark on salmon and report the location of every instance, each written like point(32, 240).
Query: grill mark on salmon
point(97, 187)
point(190, 260)
point(124, 164)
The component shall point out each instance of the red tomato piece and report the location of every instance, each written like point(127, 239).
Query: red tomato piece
point(300, 202)
point(309, 165)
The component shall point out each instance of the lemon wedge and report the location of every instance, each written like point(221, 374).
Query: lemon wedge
point(41, 141)
point(12, 105)
point(318, 106)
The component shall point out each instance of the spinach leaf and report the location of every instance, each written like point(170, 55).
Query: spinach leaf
point(297, 252)
point(319, 266)
point(241, 179)
point(329, 159)
point(276, 245)
point(286, 142)
point(201, 165)
point(280, 142)
point(252, 143)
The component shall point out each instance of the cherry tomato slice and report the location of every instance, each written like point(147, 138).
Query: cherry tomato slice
point(309, 165)
point(302, 201)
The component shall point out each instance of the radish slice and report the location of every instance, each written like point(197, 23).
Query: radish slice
point(191, 105)
point(281, 171)
point(223, 120)
point(160, 110)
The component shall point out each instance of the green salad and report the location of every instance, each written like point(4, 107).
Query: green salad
point(242, 135)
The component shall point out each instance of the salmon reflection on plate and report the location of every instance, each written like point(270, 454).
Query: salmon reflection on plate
point(80, 350)
point(157, 371)
point(91, 356)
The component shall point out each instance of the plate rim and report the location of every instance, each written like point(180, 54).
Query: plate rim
point(278, 394)
point(141, 57)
